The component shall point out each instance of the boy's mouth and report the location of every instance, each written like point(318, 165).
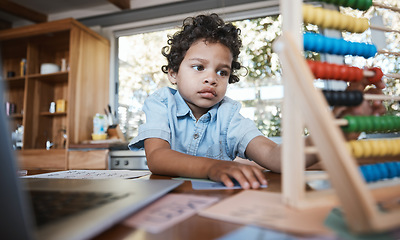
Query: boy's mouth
point(208, 93)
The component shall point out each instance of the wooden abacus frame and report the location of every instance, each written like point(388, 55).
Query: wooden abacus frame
point(304, 105)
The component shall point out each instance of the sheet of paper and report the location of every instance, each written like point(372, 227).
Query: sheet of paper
point(258, 233)
point(266, 209)
point(210, 185)
point(206, 184)
point(168, 211)
point(92, 174)
point(192, 179)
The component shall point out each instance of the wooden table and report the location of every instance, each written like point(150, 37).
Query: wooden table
point(196, 227)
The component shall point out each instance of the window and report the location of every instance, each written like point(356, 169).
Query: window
point(259, 90)
point(388, 41)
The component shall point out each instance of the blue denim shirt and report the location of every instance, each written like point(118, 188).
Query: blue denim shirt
point(222, 133)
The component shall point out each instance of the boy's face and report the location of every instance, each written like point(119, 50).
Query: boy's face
point(203, 75)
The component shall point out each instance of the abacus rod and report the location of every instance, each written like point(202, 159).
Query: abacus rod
point(341, 122)
point(388, 53)
point(385, 6)
point(393, 75)
point(317, 176)
point(384, 29)
point(369, 73)
point(381, 97)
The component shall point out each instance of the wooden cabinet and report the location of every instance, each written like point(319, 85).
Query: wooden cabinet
point(83, 84)
point(89, 159)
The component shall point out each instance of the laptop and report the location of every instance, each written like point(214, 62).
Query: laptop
point(19, 217)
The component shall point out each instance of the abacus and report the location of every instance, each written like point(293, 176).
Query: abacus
point(309, 107)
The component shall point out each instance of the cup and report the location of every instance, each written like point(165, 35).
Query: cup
point(10, 74)
point(61, 105)
point(52, 108)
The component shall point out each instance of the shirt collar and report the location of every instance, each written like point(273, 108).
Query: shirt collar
point(183, 108)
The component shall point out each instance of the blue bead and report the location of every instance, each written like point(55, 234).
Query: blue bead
point(397, 169)
point(364, 173)
point(384, 173)
point(368, 50)
point(309, 41)
point(377, 171)
point(319, 44)
point(364, 50)
point(342, 47)
point(357, 49)
point(374, 174)
point(369, 175)
point(329, 44)
point(336, 46)
point(391, 166)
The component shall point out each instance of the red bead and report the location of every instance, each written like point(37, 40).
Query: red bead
point(344, 73)
point(359, 74)
point(335, 71)
point(378, 75)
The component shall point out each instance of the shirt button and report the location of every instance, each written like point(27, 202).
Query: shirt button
point(196, 136)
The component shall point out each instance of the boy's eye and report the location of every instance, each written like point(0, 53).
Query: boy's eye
point(198, 67)
point(223, 73)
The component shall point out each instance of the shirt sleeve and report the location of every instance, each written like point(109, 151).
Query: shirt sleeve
point(240, 132)
point(156, 110)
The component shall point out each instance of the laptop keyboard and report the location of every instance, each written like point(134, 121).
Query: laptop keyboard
point(50, 206)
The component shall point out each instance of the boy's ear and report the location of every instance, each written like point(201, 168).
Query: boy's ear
point(172, 76)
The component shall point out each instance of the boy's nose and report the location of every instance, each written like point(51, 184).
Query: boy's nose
point(211, 79)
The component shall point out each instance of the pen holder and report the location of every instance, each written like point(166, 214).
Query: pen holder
point(114, 132)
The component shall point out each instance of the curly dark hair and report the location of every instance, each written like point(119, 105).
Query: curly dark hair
point(209, 27)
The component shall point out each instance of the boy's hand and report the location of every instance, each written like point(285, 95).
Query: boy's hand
point(247, 176)
point(367, 107)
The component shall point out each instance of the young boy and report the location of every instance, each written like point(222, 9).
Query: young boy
point(196, 131)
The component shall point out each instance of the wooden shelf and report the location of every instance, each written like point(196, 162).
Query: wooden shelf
point(15, 81)
point(49, 114)
point(84, 87)
point(15, 116)
point(51, 77)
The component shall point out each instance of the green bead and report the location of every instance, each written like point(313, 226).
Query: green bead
point(351, 124)
point(363, 4)
point(350, 3)
point(341, 2)
point(390, 123)
point(384, 124)
point(396, 124)
point(376, 123)
point(369, 124)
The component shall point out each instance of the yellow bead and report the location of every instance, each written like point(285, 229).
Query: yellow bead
point(350, 24)
point(336, 19)
point(307, 17)
point(381, 149)
point(374, 146)
point(329, 20)
point(367, 146)
point(318, 16)
point(342, 21)
point(391, 145)
point(396, 147)
point(361, 24)
point(384, 150)
point(356, 149)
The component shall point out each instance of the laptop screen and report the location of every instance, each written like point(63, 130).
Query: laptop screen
point(15, 215)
